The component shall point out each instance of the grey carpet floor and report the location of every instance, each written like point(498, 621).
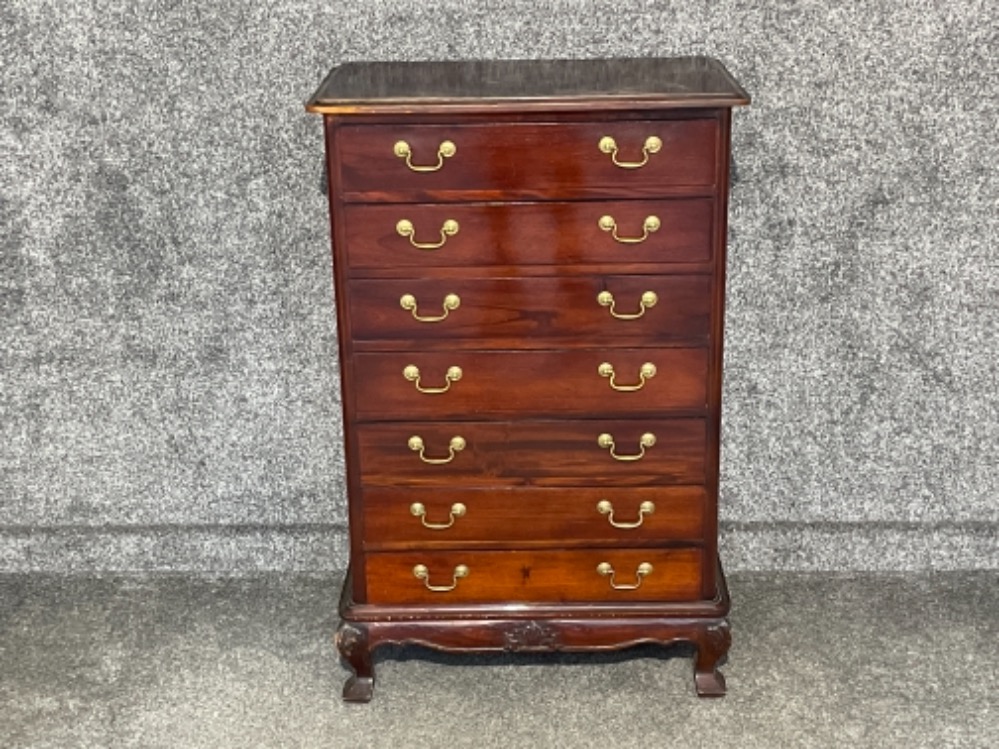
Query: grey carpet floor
point(820, 660)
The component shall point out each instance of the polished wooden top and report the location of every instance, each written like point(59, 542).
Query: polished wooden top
point(526, 85)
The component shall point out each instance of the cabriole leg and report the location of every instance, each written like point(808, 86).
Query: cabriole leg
point(352, 642)
point(712, 646)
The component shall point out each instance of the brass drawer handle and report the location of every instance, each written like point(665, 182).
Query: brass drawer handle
point(405, 229)
point(445, 150)
point(646, 372)
point(451, 302)
point(649, 299)
point(652, 145)
point(644, 569)
point(649, 226)
point(419, 511)
point(420, 572)
point(412, 373)
point(607, 442)
point(604, 507)
point(456, 445)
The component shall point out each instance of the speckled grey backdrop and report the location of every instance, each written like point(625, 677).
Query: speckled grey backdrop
point(168, 388)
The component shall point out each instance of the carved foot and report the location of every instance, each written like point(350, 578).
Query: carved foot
point(709, 683)
point(352, 642)
point(359, 689)
point(712, 646)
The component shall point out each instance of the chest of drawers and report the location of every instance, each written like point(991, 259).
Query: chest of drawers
point(529, 262)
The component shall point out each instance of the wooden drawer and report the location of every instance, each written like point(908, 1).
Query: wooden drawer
point(477, 384)
point(525, 160)
point(441, 517)
point(532, 312)
point(542, 575)
point(421, 235)
point(555, 453)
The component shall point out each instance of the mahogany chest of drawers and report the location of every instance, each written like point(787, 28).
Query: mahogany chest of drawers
point(529, 261)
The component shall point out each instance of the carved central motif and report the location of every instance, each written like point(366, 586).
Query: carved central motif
point(531, 635)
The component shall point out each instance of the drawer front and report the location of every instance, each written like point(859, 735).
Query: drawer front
point(566, 453)
point(478, 384)
point(525, 160)
point(636, 232)
point(532, 312)
point(585, 575)
point(425, 518)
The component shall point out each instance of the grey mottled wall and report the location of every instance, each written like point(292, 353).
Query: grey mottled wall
point(168, 394)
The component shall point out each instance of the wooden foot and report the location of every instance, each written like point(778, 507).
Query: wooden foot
point(358, 689)
point(709, 683)
point(352, 642)
point(712, 646)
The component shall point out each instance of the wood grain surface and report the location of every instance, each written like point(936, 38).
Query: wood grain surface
point(511, 576)
point(504, 384)
point(517, 516)
point(542, 312)
point(526, 452)
point(525, 161)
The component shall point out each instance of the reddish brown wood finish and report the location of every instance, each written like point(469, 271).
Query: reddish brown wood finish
point(518, 517)
point(713, 451)
point(530, 312)
point(525, 161)
point(542, 453)
point(499, 88)
point(519, 234)
point(526, 184)
point(517, 576)
point(535, 627)
point(345, 350)
point(507, 384)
